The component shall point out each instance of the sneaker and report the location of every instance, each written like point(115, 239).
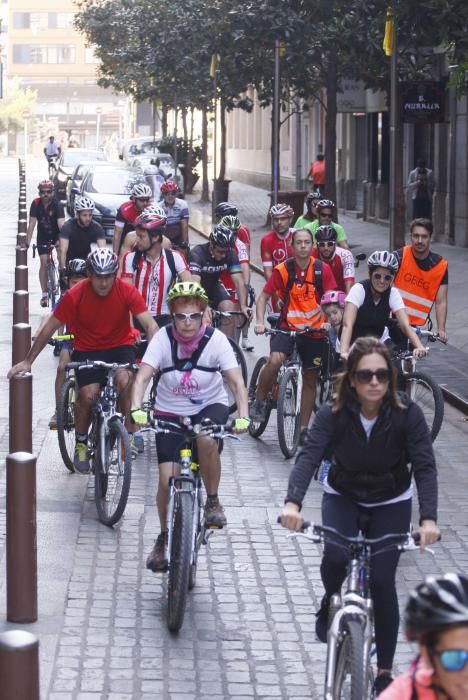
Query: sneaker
point(214, 514)
point(258, 410)
point(157, 558)
point(246, 344)
point(303, 436)
point(321, 623)
point(53, 422)
point(81, 458)
point(139, 441)
point(382, 681)
point(44, 300)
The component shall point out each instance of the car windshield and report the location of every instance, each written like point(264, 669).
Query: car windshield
point(111, 182)
point(72, 157)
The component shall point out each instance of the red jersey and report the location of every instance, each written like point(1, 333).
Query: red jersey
point(275, 250)
point(226, 278)
point(243, 234)
point(342, 265)
point(100, 323)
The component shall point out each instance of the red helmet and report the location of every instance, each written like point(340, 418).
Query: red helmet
point(169, 186)
point(151, 219)
point(46, 185)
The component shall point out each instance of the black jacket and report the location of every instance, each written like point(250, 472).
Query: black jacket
point(374, 469)
point(371, 318)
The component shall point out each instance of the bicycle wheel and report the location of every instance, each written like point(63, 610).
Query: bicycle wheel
point(288, 414)
point(197, 539)
point(66, 422)
point(428, 395)
point(351, 667)
point(52, 283)
point(179, 567)
point(243, 366)
point(113, 472)
point(324, 390)
point(256, 428)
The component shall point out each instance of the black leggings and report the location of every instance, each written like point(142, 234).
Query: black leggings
point(348, 517)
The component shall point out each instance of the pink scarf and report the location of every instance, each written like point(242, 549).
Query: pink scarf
point(187, 346)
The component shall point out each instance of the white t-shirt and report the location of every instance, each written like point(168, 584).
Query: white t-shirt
point(187, 393)
point(357, 294)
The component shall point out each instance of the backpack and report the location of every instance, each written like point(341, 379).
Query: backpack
point(291, 269)
point(170, 261)
point(187, 364)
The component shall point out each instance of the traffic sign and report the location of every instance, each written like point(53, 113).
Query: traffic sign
point(25, 114)
point(98, 110)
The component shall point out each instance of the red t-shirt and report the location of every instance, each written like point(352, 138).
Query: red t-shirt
point(100, 323)
point(275, 283)
point(275, 250)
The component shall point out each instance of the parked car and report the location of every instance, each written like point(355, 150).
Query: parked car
point(67, 162)
point(138, 146)
point(109, 187)
point(74, 182)
point(145, 162)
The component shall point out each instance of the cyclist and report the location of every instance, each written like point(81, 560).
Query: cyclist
point(78, 234)
point(177, 215)
point(140, 198)
point(275, 246)
point(372, 433)
point(52, 150)
point(333, 304)
point(422, 278)
point(369, 303)
point(299, 283)
point(340, 260)
point(224, 209)
point(311, 200)
point(436, 617)
point(208, 261)
point(325, 209)
point(47, 212)
point(189, 356)
point(99, 313)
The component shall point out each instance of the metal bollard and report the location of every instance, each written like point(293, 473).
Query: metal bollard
point(20, 413)
point(21, 255)
point(19, 665)
point(21, 276)
point(22, 239)
point(20, 342)
point(22, 224)
point(20, 306)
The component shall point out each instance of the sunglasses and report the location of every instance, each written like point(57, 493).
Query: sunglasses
point(325, 216)
point(453, 660)
point(194, 316)
point(385, 278)
point(365, 376)
point(325, 244)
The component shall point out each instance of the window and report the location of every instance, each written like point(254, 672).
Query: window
point(34, 53)
point(60, 20)
point(38, 21)
point(21, 20)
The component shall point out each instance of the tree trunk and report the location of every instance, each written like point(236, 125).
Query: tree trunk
point(222, 145)
point(205, 196)
point(188, 165)
point(330, 128)
point(164, 111)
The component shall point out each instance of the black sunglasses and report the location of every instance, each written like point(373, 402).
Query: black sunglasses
point(365, 376)
point(379, 276)
point(326, 244)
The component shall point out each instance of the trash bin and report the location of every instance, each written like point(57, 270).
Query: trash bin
point(295, 199)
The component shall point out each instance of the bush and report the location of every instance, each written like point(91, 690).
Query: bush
point(188, 156)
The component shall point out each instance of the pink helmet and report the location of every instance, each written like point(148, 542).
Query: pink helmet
point(333, 297)
point(169, 186)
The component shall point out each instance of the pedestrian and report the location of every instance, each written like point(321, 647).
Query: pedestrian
point(317, 174)
point(421, 186)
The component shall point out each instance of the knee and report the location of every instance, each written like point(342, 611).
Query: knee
point(275, 360)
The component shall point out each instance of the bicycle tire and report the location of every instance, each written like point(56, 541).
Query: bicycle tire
point(424, 391)
point(113, 473)
point(288, 403)
point(256, 428)
point(196, 543)
point(66, 422)
point(180, 560)
point(350, 662)
point(52, 283)
point(243, 367)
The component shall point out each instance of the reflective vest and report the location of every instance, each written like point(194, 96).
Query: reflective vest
point(418, 287)
point(303, 310)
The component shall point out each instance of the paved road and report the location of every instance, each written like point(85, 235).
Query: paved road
point(248, 631)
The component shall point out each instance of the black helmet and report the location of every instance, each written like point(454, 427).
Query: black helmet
point(435, 604)
point(222, 236)
point(325, 233)
point(76, 268)
point(102, 261)
point(225, 209)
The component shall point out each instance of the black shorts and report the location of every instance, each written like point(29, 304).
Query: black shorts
point(168, 445)
point(218, 294)
point(161, 320)
point(43, 243)
point(121, 354)
point(311, 350)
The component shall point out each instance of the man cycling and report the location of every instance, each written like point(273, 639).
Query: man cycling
point(140, 197)
point(52, 150)
point(47, 212)
point(275, 246)
point(340, 260)
point(78, 234)
point(224, 209)
point(99, 311)
point(325, 210)
point(208, 261)
point(299, 283)
point(177, 215)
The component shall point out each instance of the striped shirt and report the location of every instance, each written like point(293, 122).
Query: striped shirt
point(153, 281)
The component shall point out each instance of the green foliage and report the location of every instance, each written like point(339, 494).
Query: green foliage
point(188, 155)
point(14, 101)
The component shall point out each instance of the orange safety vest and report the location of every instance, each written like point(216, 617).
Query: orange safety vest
point(418, 287)
point(302, 310)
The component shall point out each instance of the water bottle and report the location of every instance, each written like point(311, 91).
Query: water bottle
point(324, 469)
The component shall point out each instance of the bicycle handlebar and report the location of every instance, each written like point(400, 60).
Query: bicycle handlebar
point(90, 364)
point(291, 333)
point(206, 428)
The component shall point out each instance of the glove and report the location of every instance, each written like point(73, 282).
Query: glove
point(241, 424)
point(139, 416)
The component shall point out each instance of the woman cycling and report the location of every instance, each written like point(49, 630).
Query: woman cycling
point(190, 357)
point(437, 618)
point(369, 303)
point(371, 433)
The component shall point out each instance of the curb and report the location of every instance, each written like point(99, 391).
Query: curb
point(455, 400)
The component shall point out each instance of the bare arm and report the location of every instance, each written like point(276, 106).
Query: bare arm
point(238, 280)
point(186, 276)
point(349, 319)
point(116, 239)
point(260, 312)
point(403, 322)
point(246, 273)
point(31, 227)
point(63, 250)
point(348, 284)
point(441, 308)
point(184, 230)
point(149, 325)
point(344, 244)
point(236, 383)
point(60, 223)
point(268, 270)
point(40, 341)
point(142, 379)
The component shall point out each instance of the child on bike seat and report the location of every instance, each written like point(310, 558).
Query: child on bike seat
point(332, 304)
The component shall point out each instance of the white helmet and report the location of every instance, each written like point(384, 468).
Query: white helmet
point(140, 190)
point(84, 204)
point(382, 258)
point(102, 261)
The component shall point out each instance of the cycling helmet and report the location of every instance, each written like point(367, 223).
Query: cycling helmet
point(222, 236)
point(326, 204)
point(187, 289)
point(141, 191)
point(333, 297)
point(45, 185)
point(152, 219)
point(169, 186)
point(76, 268)
point(281, 209)
point(382, 258)
point(102, 262)
point(311, 197)
point(83, 204)
point(437, 603)
point(231, 222)
point(325, 233)
point(225, 209)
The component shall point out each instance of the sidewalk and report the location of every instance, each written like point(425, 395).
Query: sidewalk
point(448, 364)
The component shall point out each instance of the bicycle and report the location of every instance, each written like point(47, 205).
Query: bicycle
point(217, 319)
point(108, 440)
point(52, 166)
point(53, 281)
point(186, 526)
point(350, 637)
